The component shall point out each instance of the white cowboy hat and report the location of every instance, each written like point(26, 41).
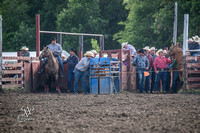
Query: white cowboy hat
point(195, 38)
point(160, 50)
point(153, 48)
point(146, 48)
point(165, 51)
point(94, 51)
point(123, 44)
point(24, 48)
point(89, 53)
point(63, 56)
point(190, 40)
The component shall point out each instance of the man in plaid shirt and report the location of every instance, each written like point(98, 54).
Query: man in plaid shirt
point(72, 60)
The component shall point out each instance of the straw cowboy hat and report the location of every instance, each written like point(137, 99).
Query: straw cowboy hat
point(63, 56)
point(165, 51)
point(89, 53)
point(153, 48)
point(146, 48)
point(160, 50)
point(123, 44)
point(195, 38)
point(24, 48)
point(94, 51)
point(190, 40)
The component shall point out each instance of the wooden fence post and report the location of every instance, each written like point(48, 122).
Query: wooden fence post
point(0, 53)
point(185, 47)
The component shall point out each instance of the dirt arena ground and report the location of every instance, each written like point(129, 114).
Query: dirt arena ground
point(125, 112)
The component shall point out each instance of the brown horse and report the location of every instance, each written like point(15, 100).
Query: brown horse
point(51, 68)
point(178, 55)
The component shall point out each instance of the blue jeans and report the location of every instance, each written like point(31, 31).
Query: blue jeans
point(70, 75)
point(60, 63)
point(148, 81)
point(163, 76)
point(168, 80)
point(82, 76)
point(175, 78)
point(153, 79)
point(141, 80)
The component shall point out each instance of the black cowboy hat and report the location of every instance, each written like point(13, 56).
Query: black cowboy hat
point(53, 39)
point(141, 50)
point(73, 50)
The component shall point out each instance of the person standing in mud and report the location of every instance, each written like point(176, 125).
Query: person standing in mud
point(81, 71)
point(160, 66)
point(72, 61)
point(148, 78)
point(142, 64)
point(153, 73)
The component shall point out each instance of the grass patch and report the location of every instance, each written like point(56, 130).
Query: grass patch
point(190, 91)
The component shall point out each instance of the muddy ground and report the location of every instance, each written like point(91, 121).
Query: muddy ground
point(125, 112)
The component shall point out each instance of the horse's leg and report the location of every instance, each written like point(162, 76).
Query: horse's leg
point(46, 87)
point(57, 85)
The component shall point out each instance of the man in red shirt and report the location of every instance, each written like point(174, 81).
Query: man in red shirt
point(160, 65)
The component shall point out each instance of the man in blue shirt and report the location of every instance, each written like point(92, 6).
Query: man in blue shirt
point(72, 60)
point(142, 64)
point(56, 49)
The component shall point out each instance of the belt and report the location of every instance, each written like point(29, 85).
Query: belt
point(161, 69)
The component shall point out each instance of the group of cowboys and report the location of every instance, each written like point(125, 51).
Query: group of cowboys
point(146, 60)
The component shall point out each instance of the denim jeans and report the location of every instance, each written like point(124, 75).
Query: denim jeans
point(168, 81)
point(174, 83)
point(163, 76)
point(82, 76)
point(70, 75)
point(148, 81)
point(141, 80)
point(153, 79)
point(60, 63)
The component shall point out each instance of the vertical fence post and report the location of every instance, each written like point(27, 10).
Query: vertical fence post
point(59, 36)
point(101, 43)
point(175, 24)
point(0, 52)
point(37, 35)
point(80, 46)
point(185, 47)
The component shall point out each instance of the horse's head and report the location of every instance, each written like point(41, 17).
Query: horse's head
point(174, 49)
point(45, 53)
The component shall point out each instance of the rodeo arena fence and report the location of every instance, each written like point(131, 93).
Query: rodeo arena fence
point(107, 75)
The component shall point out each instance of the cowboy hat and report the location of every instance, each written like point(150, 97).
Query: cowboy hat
point(160, 50)
point(165, 51)
point(190, 40)
point(73, 50)
point(153, 48)
point(141, 50)
point(123, 44)
point(195, 38)
point(146, 48)
point(89, 53)
point(24, 48)
point(94, 51)
point(63, 56)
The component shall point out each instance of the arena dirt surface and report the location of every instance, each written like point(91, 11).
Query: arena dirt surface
point(125, 112)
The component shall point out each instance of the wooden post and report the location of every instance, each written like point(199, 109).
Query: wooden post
point(101, 43)
point(175, 24)
point(80, 46)
point(37, 35)
point(59, 36)
point(185, 47)
point(0, 52)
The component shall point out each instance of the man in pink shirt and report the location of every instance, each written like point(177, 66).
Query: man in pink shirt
point(160, 65)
